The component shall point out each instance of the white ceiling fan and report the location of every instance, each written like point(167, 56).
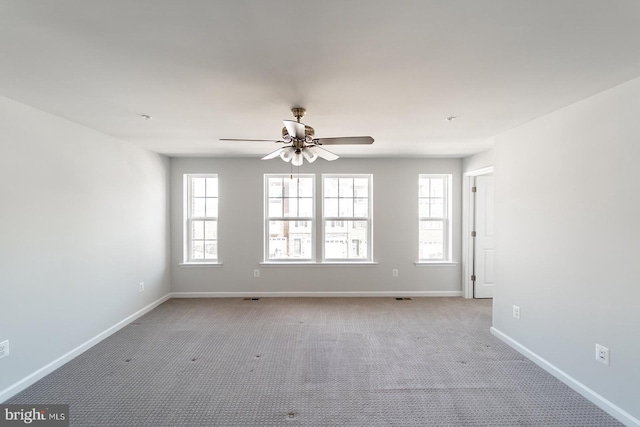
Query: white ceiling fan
point(303, 144)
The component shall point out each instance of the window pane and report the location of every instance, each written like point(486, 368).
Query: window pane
point(437, 208)
point(346, 207)
point(331, 207)
point(288, 240)
point(347, 242)
point(361, 208)
point(275, 208)
point(212, 207)
point(423, 208)
point(198, 207)
point(330, 187)
point(211, 230)
point(197, 230)
point(300, 227)
point(290, 207)
point(275, 187)
point(431, 240)
point(437, 187)
point(197, 187)
point(346, 187)
point(212, 187)
point(210, 250)
point(361, 187)
point(197, 249)
point(306, 207)
point(335, 246)
point(290, 187)
point(305, 187)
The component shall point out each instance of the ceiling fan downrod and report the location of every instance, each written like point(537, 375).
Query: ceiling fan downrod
point(298, 113)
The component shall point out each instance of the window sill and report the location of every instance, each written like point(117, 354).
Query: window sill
point(200, 264)
point(318, 264)
point(435, 263)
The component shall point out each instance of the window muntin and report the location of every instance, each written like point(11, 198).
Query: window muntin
point(346, 217)
point(289, 217)
point(434, 234)
point(201, 227)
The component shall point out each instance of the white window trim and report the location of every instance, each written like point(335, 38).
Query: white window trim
point(447, 258)
point(186, 252)
point(318, 264)
point(266, 219)
point(368, 220)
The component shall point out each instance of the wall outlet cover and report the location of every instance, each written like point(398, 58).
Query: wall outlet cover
point(602, 354)
point(516, 311)
point(4, 348)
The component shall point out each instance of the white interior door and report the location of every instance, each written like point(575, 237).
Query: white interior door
point(483, 249)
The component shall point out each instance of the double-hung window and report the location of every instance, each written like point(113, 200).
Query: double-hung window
point(201, 225)
point(289, 218)
point(346, 217)
point(434, 235)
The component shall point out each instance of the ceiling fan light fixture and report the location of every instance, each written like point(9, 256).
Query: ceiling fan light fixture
point(297, 159)
point(311, 157)
point(286, 154)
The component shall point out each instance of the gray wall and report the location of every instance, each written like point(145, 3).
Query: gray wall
point(83, 220)
point(568, 240)
point(395, 189)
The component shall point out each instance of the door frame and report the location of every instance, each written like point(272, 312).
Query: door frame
point(468, 214)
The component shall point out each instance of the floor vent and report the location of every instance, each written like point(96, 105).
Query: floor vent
point(403, 299)
point(251, 299)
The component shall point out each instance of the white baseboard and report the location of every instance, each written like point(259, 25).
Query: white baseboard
point(16, 388)
point(604, 404)
point(317, 294)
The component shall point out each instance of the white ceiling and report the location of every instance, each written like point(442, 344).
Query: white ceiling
point(394, 70)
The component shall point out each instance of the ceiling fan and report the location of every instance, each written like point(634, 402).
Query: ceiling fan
point(302, 142)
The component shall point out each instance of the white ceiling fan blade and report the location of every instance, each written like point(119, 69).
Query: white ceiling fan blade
point(249, 140)
point(309, 155)
point(295, 129)
point(321, 152)
point(344, 140)
point(274, 154)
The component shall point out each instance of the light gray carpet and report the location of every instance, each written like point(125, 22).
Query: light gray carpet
point(312, 362)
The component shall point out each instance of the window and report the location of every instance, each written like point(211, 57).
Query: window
point(434, 234)
point(346, 215)
point(201, 227)
point(289, 217)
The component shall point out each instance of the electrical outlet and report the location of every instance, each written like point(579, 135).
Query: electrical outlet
point(516, 311)
point(256, 273)
point(4, 348)
point(394, 272)
point(141, 287)
point(602, 354)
